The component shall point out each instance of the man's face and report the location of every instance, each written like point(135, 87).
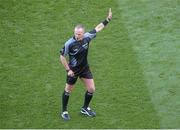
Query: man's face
point(79, 33)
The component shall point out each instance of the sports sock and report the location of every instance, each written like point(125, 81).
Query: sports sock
point(87, 98)
point(65, 98)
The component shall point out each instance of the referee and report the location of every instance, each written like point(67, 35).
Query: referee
point(77, 50)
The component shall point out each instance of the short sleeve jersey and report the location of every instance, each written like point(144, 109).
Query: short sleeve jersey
point(78, 50)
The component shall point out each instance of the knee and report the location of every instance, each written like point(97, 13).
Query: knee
point(91, 89)
point(69, 88)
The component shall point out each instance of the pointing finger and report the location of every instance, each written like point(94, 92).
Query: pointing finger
point(109, 9)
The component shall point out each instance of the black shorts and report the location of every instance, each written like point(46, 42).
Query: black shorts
point(81, 73)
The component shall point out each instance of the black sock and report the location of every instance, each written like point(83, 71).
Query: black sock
point(87, 98)
point(65, 98)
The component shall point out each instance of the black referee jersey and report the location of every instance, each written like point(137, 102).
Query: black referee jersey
point(78, 50)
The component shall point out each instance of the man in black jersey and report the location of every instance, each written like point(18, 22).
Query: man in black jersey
point(77, 50)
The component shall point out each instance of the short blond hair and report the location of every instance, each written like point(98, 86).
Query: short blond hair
point(80, 26)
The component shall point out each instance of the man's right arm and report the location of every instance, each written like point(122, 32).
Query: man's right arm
point(64, 62)
point(66, 66)
point(63, 52)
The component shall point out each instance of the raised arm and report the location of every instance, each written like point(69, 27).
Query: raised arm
point(100, 26)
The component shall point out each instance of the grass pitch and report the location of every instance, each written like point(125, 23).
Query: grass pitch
point(134, 60)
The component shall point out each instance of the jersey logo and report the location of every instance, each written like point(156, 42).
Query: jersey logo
point(75, 48)
point(85, 46)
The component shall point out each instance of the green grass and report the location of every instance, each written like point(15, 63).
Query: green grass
point(155, 33)
point(135, 63)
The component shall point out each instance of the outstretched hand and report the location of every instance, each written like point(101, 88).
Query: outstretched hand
point(109, 14)
point(100, 26)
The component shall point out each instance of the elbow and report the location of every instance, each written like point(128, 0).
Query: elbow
point(98, 29)
point(61, 56)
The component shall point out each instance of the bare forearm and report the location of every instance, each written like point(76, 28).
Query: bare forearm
point(99, 27)
point(64, 62)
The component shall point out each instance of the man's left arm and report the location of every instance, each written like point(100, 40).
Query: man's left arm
point(100, 26)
